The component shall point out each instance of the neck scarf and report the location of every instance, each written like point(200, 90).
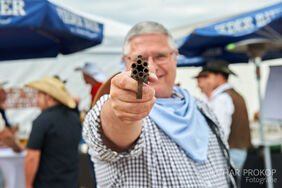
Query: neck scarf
point(181, 120)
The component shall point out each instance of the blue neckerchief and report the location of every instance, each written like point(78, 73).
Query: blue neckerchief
point(181, 120)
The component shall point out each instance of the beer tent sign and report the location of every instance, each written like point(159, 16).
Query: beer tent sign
point(39, 28)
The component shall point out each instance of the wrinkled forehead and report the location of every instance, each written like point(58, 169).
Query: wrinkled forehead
point(151, 42)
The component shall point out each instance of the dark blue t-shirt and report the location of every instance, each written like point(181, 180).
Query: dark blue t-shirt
point(56, 132)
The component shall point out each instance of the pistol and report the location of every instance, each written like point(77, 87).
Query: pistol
point(140, 72)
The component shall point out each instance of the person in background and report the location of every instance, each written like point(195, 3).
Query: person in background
point(6, 130)
point(52, 158)
point(229, 107)
point(165, 139)
point(93, 75)
point(7, 138)
point(3, 96)
point(3, 106)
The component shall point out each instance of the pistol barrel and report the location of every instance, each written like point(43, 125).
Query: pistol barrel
point(140, 72)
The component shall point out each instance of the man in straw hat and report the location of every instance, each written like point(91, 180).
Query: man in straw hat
point(228, 106)
point(52, 151)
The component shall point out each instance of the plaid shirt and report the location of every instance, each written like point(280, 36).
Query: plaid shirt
point(154, 160)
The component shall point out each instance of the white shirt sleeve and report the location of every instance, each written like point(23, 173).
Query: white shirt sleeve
point(2, 123)
point(223, 107)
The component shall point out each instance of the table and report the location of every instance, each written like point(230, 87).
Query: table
point(12, 167)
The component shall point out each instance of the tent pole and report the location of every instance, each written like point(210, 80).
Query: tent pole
point(266, 150)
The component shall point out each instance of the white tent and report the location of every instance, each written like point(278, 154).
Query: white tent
point(107, 56)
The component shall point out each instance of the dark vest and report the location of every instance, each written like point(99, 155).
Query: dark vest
point(240, 131)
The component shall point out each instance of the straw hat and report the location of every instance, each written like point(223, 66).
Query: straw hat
point(55, 88)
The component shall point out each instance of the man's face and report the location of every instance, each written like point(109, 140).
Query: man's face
point(161, 60)
point(208, 82)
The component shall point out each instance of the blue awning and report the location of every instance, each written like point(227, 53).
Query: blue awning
point(210, 42)
point(39, 28)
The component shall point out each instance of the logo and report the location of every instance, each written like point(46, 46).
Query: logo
point(12, 8)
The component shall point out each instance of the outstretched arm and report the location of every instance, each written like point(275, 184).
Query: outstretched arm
point(122, 114)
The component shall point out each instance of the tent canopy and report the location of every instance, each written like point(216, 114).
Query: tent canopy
point(210, 42)
point(39, 28)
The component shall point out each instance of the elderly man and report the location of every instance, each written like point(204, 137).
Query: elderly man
point(52, 151)
point(161, 140)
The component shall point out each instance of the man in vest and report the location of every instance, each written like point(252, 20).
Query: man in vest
point(228, 106)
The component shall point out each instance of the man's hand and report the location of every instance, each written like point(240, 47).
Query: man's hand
point(18, 148)
point(14, 129)
point(8, 139)
point(122, 114)
point(123, 98)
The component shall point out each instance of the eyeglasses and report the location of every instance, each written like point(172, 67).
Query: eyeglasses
point(158, 58)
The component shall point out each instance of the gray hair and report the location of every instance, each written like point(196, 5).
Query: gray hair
point(146, 27)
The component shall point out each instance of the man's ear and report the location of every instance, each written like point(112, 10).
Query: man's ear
point(176, 53)
point(125, 63)
point(219, 75)
point(49, 97)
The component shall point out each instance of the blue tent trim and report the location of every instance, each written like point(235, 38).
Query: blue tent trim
point(209, 42)
point(39, 28)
